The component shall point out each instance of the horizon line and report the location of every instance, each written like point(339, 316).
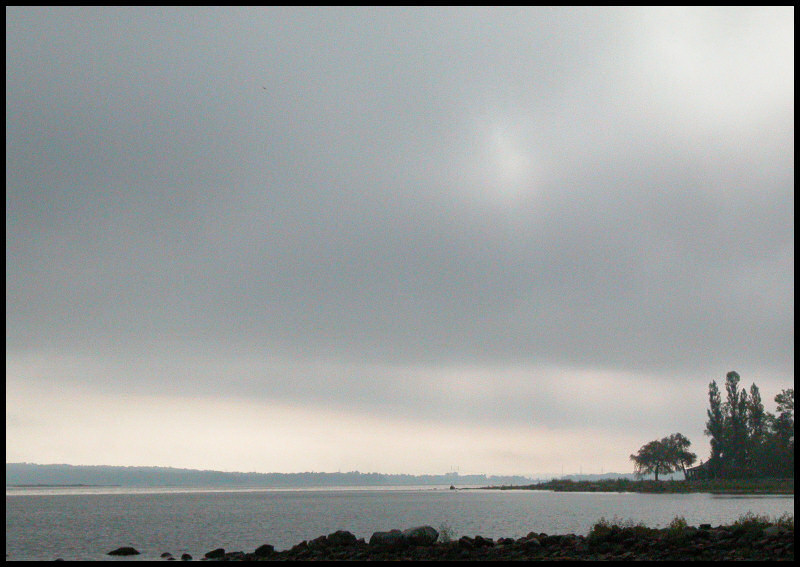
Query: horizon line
point(449, 473)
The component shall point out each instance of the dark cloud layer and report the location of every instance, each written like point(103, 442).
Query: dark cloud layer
point(587, 188)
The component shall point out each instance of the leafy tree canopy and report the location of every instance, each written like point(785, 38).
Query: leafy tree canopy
point(664, 456)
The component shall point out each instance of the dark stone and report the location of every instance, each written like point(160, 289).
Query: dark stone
point(264, 550)
point(531, 543)
point(186, 557)
point(771, 543)
point(320, 542)
point(421, 535)
point(124, 551)
point(548, 540)
point(341, 538)
point(300, 547)
point(393, 538)
point(215, 553)
point(166, 554)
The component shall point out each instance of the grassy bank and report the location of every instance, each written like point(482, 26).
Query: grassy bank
point(716, 486)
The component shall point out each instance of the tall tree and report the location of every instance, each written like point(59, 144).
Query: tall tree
point(756, 433)
point(756, 416)
point(735, 431)
point(715, 428)
point(746, 440)
point(783, 428)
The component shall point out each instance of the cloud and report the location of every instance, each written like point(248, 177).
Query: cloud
point(367, 207)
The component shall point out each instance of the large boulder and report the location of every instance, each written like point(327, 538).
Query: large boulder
point(393, 538)
point(421, 535)
point(320, 542)
point(218, 553)
point(124, 551)
point(264, 550)
point(341, 538)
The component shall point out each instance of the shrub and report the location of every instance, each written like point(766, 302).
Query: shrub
point(678, 524)
point(599, 531)
point(604, 528)
point(751, 520)
point(446, 533)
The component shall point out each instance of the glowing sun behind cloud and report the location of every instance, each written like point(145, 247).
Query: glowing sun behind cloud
point(504, 164)
point(507, 157)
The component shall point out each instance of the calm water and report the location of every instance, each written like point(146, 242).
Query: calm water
point(85, 523)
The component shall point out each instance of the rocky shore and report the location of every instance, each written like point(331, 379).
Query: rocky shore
point(604, 542)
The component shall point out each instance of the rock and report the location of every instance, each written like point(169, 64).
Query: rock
point(421, 535)
point(531, 543)
point(218, 553)
point(320, 542)
point(123, 551)
point(166, 554)
point(341, 538)
point(300, 547)
point(551, 540)
point(264, 550)
point(186, 557)
point(393, 538)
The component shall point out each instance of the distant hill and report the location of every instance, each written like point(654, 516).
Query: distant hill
point(30, 474)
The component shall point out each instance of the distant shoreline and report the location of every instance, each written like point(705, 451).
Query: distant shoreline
point(732, 486)
point(77, 485)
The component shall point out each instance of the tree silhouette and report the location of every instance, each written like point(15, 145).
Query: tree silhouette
point(664, 456)
point(715, 427)
point(746, 440)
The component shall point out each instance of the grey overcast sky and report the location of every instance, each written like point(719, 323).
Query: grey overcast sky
point(512, 240)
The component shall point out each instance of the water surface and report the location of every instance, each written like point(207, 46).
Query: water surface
point(84, 523)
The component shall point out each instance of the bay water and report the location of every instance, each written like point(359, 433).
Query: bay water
point(85, 523)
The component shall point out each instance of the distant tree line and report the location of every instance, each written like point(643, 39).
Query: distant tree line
point(61, 474)
point(746, 440)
